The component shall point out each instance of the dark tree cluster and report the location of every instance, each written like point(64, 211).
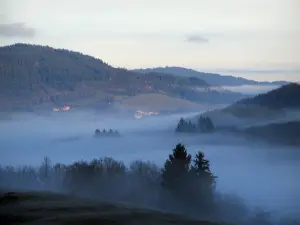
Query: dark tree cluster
point(204, 125)
point(186, 126)
point(108, 133)
point(184, 185)
point(181, 175)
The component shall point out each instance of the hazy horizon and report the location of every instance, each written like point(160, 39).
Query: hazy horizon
point(260, 36)
point(73, 125)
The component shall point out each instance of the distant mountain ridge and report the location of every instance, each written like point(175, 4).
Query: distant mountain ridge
point(210, 78)
point(34, 75)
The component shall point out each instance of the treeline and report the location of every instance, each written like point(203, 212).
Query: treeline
point(184, 185)
point(203, 125)
point(109, 133)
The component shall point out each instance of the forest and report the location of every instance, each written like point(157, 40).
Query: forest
point(184, 185)
point(204, 125)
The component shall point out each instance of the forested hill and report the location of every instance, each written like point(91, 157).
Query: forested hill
point(211, 78)
point(287, 96)
point(277, 106)
point(32, 74)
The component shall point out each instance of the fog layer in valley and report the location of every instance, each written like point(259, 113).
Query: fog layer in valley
point(262, 176)
point(251, 89)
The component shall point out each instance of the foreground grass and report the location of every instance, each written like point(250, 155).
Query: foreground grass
point(48, 208)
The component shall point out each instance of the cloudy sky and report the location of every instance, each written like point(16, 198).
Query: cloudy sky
point(257, 39)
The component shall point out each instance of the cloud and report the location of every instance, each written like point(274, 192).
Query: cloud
point(16, 30)
point(196, 39)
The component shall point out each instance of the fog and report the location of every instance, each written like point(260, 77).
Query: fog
point(263, 176)
point(252, 89)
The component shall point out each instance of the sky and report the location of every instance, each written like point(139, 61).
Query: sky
point(256, 39)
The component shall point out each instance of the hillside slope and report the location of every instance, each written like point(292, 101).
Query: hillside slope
point(282, 104)
point(156, 102)
point(272, 117)
point(277, 133)
point(49, 208)
point(287, 96)
point(211, 78)
point(32, 75)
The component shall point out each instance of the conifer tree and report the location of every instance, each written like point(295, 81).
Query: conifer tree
point(176, 167)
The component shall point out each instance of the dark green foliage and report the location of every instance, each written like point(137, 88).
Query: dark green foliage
point(201, 170)
point(201, 185)
point(109, 133)
point(179, 177)
point(186, 126)
point(176, 167)
point(286, 96)
point(205, 125)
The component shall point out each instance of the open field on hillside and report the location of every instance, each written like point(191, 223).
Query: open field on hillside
point(48, 208)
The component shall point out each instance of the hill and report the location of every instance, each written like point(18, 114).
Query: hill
point(287, 96)
point(277, 133)
point(210, 78)
point(273, 116)
point(50, 208)
point(281, 103)
point(33, 76)
point(277, 106)
point(268, 105)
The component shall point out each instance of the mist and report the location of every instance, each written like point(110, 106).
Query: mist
point(251, 89)
point(263, 176)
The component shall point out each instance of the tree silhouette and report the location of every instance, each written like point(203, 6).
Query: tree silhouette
point(45, 169)
point(201, 169)
point(176, 167)
point(205, 124)
point(201, 184)
point(185, 126)
point(97, 132)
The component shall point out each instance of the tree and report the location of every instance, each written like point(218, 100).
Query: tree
point(45, 169)
point(201, 185)
point(97, 132)
point(201, 169)
point(205, 124)
point(209, 124)
point(176, 167)
point(185, 126)
point(181, 125)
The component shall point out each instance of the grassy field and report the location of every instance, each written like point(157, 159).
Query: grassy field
point(158, 102)
point(48, 208)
